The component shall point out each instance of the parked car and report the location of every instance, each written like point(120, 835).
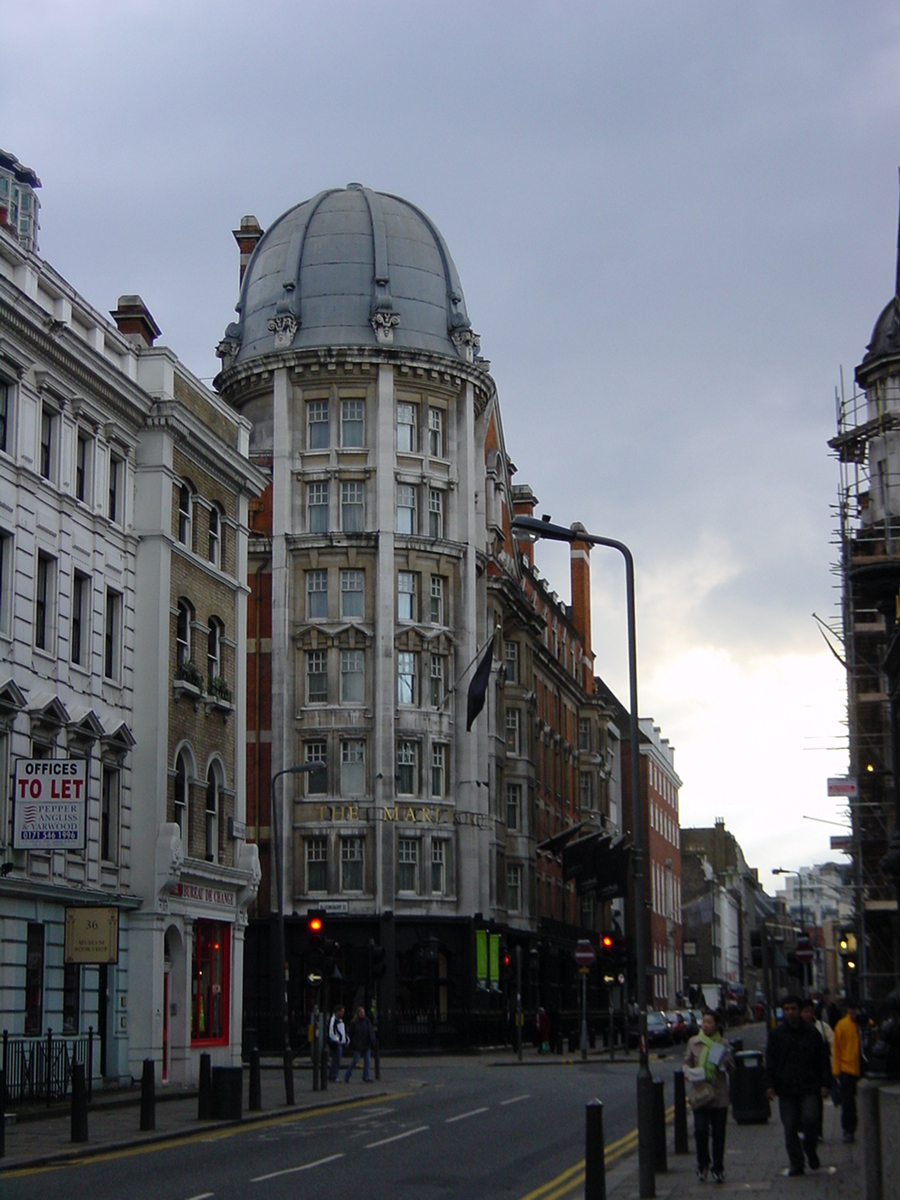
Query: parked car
point(659, 1032)
point(691, 1022)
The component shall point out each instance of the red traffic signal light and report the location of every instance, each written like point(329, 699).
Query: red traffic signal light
point(606, 942)
point(314, 924)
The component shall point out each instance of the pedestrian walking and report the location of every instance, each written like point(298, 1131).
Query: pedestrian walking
point(362, 1043)
point(337, 1040)
point(797, 1073)
point(708, 1062)
point(845, 1068)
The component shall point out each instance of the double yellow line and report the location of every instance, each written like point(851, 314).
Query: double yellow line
point(570, 1181)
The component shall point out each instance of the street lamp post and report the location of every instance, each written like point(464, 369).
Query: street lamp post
point(788, 871)
point(530, 528)
point(304, 769)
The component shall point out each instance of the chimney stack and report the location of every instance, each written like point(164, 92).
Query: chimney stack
point(133, 320)
point(247, 237)
point(524, 504)
point(580, 568)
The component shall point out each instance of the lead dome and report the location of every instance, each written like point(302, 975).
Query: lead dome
point(350, 267)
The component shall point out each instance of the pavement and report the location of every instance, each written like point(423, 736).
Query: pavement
point(755, 1158)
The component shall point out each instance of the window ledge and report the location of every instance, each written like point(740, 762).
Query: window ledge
point(192, 693)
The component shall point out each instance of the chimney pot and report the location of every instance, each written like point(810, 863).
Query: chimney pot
point(133, 321)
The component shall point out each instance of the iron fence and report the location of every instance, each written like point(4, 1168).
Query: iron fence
point(38, 1070)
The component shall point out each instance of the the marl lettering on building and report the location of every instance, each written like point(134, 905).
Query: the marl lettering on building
point(416, 814)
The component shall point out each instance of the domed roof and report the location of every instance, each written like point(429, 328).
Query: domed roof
point(350, 267)
point(885, 341)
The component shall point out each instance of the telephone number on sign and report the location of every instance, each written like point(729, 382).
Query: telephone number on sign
point(42, 835)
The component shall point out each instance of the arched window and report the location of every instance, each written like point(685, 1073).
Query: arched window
point(183, 632)
point(214, 785)
point(185, 515)
point(182, 795)
point(215, 536)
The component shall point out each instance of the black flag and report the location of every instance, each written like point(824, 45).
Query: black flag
point(478, 686)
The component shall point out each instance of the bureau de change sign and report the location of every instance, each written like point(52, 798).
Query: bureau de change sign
point(49, 804)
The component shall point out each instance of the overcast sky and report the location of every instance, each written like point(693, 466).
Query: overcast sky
point(674, 224)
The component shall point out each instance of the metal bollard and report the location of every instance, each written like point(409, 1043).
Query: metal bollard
point(255, 1099)
point(660, 1158)
point(594, 1155)
point(148, 1096)
point(288, 1076)
point(204, 1097)
point(314, 1054)
point(681, 1128)
point(870, 1129)
point(79, 1104)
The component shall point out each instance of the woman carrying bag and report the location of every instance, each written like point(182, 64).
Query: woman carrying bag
point(707, 1064)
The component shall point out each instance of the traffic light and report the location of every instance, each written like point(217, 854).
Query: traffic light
point(607, 944)
point(505, 963)
point(377, 964)
point(315, 947)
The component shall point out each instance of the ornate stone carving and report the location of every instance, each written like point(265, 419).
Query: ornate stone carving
point(284, 326)
point(384, 322)
point(467, 343)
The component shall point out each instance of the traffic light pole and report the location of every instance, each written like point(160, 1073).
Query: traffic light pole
point(519, 1002)
point(584, 1029)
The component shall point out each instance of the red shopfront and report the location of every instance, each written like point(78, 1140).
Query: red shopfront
point(210, 982)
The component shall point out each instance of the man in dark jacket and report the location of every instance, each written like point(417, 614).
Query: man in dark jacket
point(797, 1072)
point(362, 1043)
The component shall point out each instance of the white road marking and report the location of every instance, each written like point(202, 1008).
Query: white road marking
point(396, 1137)
point(515, 1099)
point(293, 1170)
point(464, 1116)
point(202, 1196)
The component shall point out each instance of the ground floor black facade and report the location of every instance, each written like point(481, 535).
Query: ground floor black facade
point(448, 984)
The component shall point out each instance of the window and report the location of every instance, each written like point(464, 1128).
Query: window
point(407, 432)
point(438, 770)
point(351, 864)
point(353, 767)
point(4, 788)
point(214, 633)
point(112, 642)
point(34, 980)
point(71, 996)
point(352, 602)
point(109, 814)
point(185, 516)
point(316, 677)
point(210, 985)
point(511, 661)
point(353, 682)
point(318, 425)
point(406, 508)
point(316, 595)
point(317, 507)
point(352, 510)
point(6, 582)
point(214, 553)
point(5, 394)
point(407, 865)
point(586, 790)
point(406, 677)
point(317, 864)
point(512, 731)
point(514, 805)
point(182, 795)
point(213, 800)
point(435, 513)
point(407, 768)
point(514, 888)
point(82, 467)
point(435, 433)
point(407, 587)
point(47, 455)
point(438, 864)
point(80, 631)
point(316, 781)
point(44, 590)
point(438, 674)
point(115, 498)
point(437, 600)
point(584, 733)
point(183, 623)
point(351, 423)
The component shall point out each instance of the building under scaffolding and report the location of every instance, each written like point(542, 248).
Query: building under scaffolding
point(868, 449)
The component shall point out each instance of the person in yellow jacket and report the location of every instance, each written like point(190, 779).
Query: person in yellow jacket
point(845, 1068)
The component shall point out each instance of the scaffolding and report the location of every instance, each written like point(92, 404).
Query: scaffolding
point(867, 447)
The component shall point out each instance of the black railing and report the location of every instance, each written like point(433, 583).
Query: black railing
point(38, 1070)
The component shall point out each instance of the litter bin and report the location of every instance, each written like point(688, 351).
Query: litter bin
point(749, 1101)
point(227, 1090)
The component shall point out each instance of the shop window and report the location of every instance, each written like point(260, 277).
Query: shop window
point(34, 980)
point(210, 982)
